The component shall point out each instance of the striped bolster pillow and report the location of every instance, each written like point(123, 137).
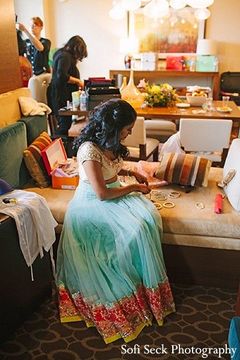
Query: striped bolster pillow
point(183, 169)
point(34, 162)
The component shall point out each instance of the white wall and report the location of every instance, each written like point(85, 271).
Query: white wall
point(87, 18)
point(26, 9)
point(90, 19)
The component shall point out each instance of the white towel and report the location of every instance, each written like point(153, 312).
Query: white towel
point(173, 144)
point(34, 221)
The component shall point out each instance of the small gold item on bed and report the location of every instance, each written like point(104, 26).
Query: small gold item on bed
point(199, 205)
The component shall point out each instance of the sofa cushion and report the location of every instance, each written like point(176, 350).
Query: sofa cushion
point(4, 187)
point(35, 125)
point(34, 162)
point(232, 190)
point(57, 200)
point(183, 169)
point(194, 225)
point(10, 109)
point(13, 141)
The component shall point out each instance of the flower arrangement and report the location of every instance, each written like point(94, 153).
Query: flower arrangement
point(160, 95)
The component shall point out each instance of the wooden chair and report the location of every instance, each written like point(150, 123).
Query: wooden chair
point(38, 86)
point(209, 138)
point(160, 129)
point(140, 146)
point(52, 125)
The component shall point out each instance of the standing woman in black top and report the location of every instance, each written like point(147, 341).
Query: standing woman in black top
point(37, 47)
point(66, 79)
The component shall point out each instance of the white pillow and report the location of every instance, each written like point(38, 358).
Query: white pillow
point(30, 106)
point(232, 190)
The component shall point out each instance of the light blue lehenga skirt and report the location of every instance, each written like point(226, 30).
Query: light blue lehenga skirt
point(110, 267)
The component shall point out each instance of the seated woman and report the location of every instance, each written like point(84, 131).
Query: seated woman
point(110, 267)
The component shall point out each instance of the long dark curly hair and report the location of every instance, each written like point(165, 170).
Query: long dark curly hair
point(105, 124)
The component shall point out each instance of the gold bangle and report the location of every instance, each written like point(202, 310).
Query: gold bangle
point(158, 206)
point(174, 194)
point(168, 204)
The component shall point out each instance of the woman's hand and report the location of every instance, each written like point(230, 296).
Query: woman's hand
point(143, 188)
point(76, 81)
point(140, 178)
point(80, 83)
point(21, 27)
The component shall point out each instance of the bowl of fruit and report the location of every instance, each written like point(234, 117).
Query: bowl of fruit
point(196, 98)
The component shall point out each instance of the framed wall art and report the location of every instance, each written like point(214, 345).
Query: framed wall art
point(177, 33)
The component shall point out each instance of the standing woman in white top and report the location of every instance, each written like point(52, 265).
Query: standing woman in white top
point(110, 267)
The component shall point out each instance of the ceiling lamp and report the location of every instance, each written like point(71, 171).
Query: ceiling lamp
point(117, 12)
point(131, 5)
point(178, 4)
point(200, 4)
point(202, 14)
point(160, 8)
point(157, 9)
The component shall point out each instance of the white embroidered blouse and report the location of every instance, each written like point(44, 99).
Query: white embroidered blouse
point(90, 151)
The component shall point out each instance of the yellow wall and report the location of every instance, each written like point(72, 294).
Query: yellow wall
point(224, 26)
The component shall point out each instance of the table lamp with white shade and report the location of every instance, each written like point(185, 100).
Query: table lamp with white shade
point(206, 47)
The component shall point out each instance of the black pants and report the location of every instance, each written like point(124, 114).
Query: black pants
point(64, 123)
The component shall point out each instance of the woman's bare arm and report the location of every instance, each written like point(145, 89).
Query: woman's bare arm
point(36, 43)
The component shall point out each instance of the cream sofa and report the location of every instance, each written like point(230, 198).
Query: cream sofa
point(199, 245)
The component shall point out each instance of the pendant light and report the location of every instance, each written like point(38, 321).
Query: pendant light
point(157, 9)
point(200, 4)
point(117, 12)
point(178, 4)
point(202, 14)
point(160, 8)
point(131, 5)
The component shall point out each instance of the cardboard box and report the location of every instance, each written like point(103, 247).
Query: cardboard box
point(55, 159)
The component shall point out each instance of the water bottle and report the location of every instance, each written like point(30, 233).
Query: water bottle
point(83, 101)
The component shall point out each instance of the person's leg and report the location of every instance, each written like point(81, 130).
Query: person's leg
point(64, 123)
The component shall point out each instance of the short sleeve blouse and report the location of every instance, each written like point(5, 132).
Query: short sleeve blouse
point(90, 151)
